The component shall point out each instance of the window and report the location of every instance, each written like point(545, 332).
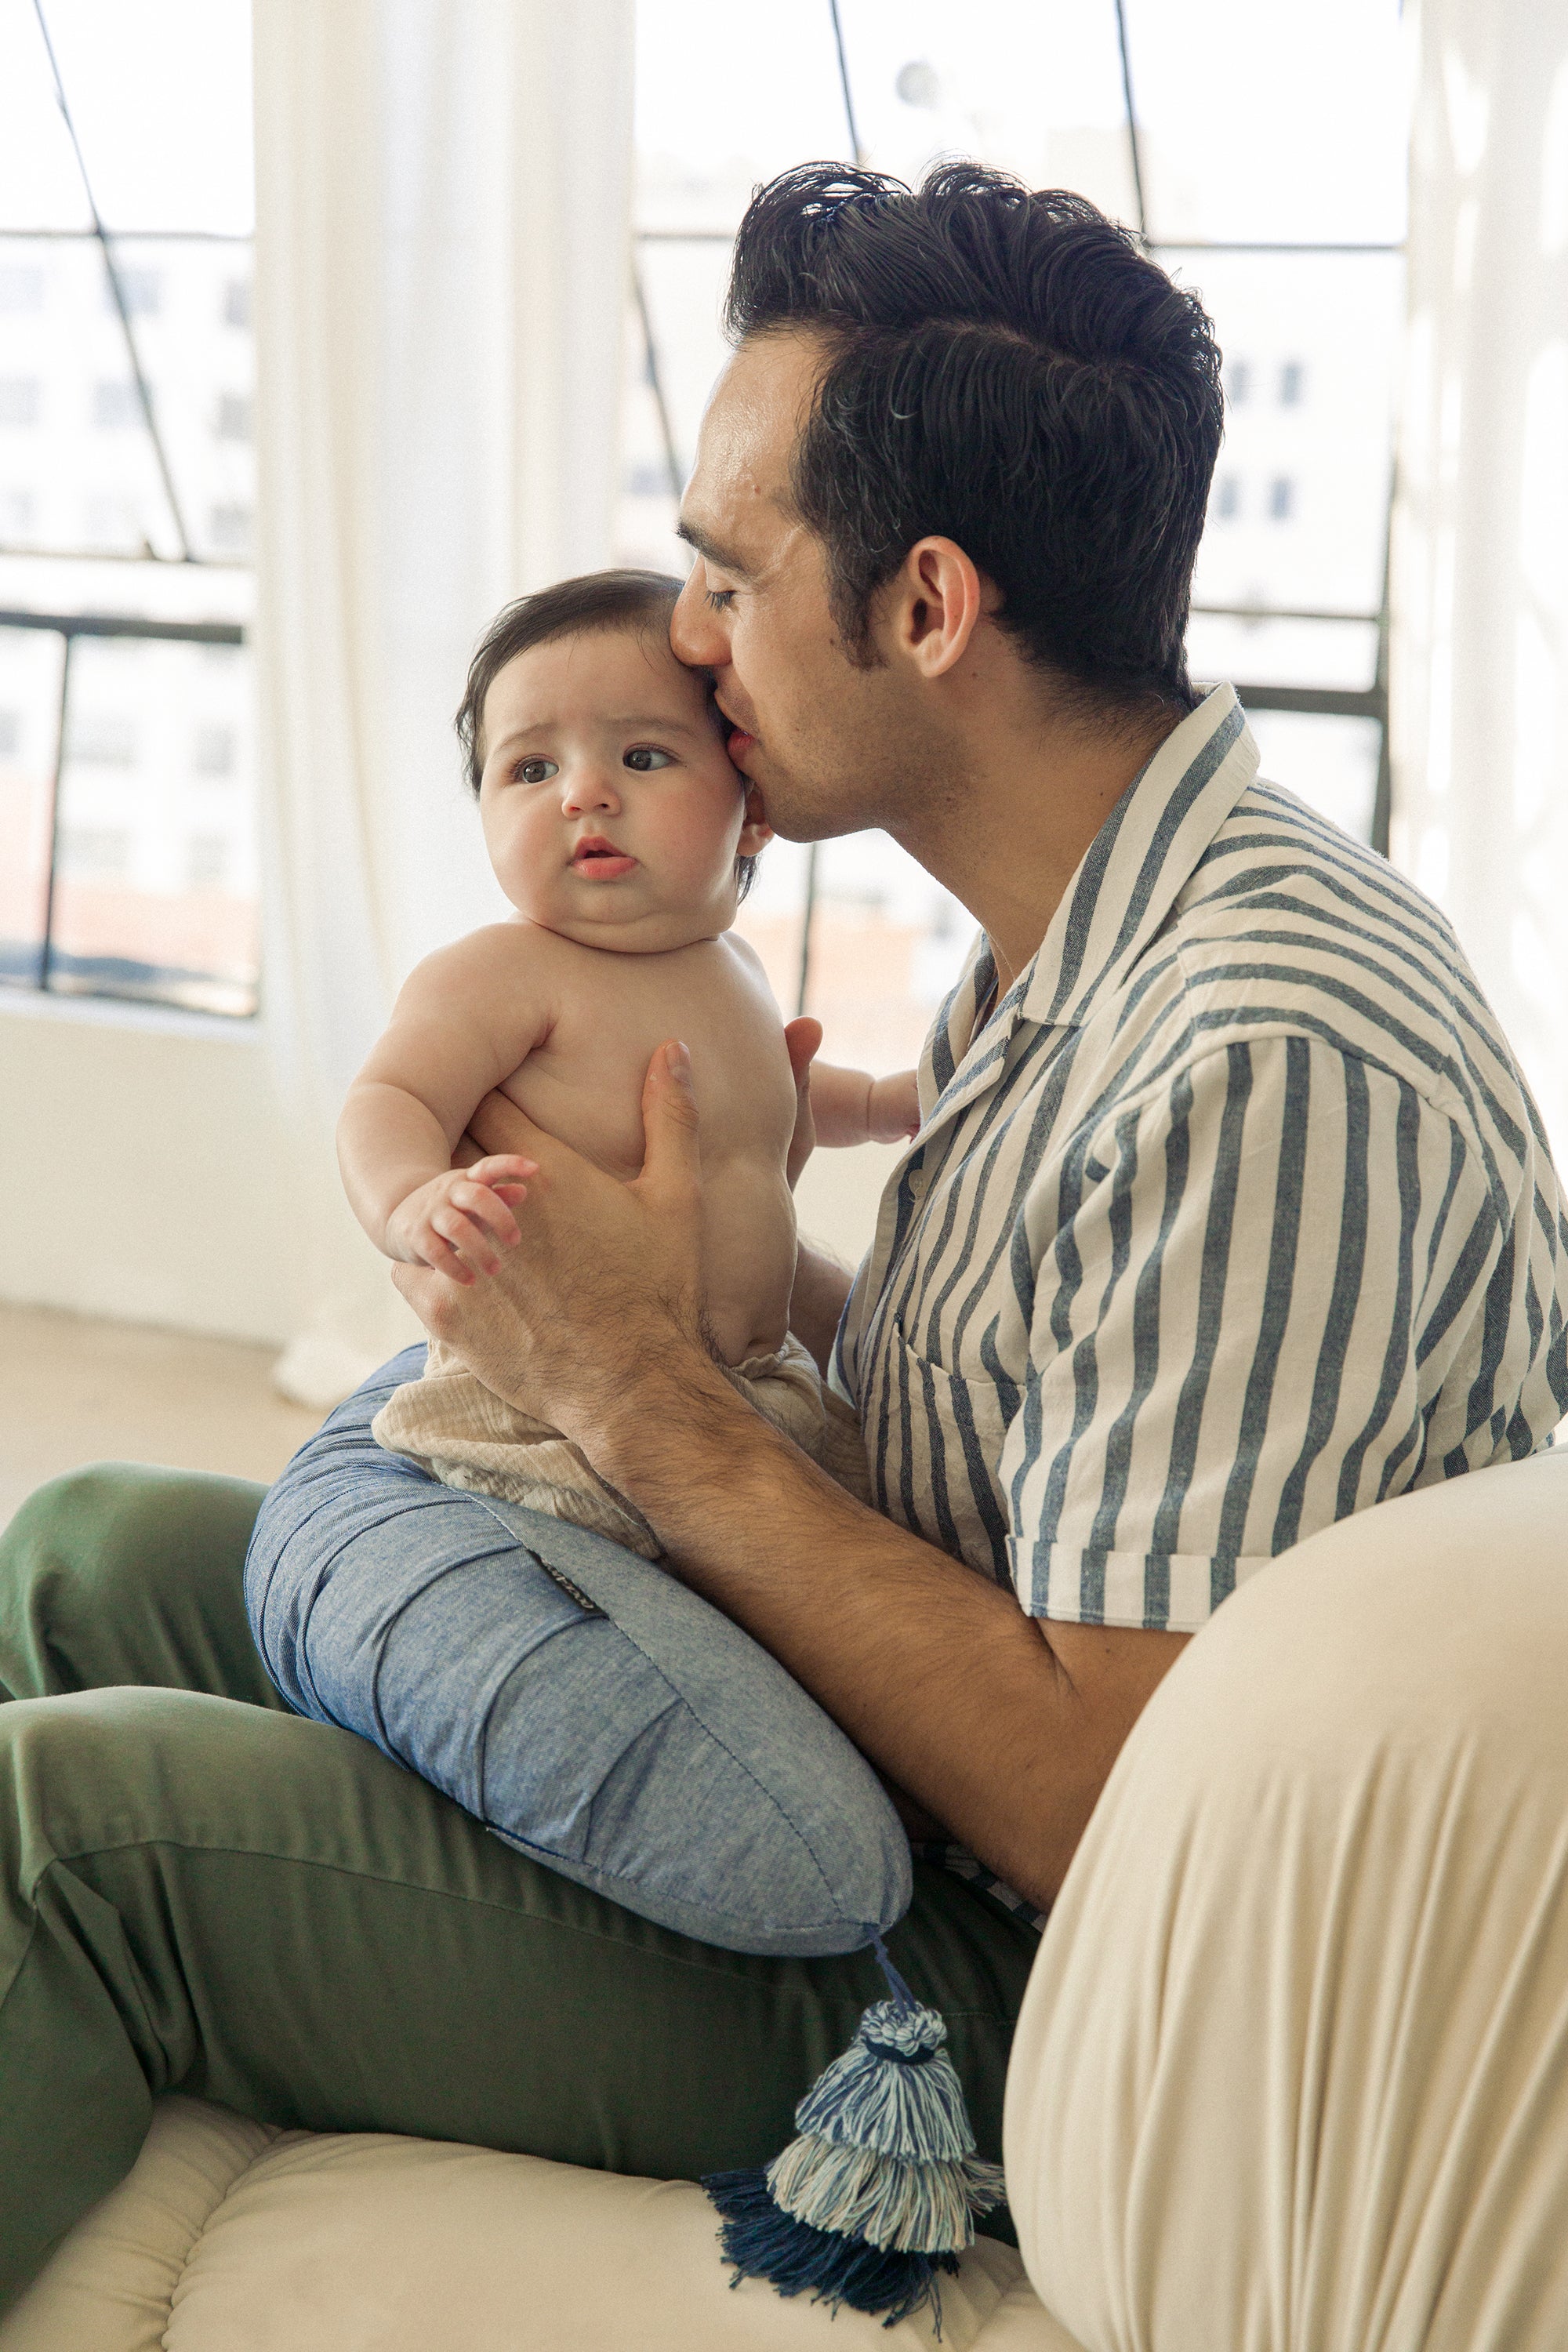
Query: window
point(140, 291)
point(97, 738)
point(95, 853)
point(21, 286)
point(215, 751)
point(207, 860)
point(1291, 228)
point(18, 400)
point(116, 406)
point(124, 577)
point(229, 529)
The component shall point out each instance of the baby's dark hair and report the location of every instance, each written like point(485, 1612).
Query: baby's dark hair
point(621, 602)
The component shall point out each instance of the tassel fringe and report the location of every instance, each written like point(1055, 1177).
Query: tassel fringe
point(763, 2242)
point(879, 2191)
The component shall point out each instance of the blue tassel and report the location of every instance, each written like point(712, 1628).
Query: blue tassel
point(879, 2191)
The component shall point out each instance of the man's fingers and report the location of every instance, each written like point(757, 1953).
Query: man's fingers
point(803, 1038)
point(672, 1153)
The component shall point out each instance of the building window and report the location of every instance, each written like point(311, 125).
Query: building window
point(1227, 498)
point(1292, 379)
point(19, 399)
point(1281, 499)
point(233, 420)
point(102, 739)
point(206, 861)
point(215, 751)
point(10, 734)
point(21, 286)
point(95, 853)
point(141, 289)
point(236, 302)
point(116, 406)
point(229, 529)
point(1238, 382)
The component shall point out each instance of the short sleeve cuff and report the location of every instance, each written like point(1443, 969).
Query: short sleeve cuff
point(1167, 1592)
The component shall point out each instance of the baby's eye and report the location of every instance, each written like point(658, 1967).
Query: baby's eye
point(643, 759)
point(536, 772)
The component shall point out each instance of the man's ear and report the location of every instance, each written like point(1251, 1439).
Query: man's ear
point(755, 831)
point(932, 606)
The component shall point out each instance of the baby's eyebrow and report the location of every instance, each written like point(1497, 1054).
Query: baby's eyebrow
point(635, 722)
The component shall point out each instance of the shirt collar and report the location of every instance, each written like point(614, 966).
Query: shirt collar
point(1129, 878)
point(1139, 861)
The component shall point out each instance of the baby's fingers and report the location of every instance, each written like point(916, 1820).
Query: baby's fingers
point(501, 1168)
point(483, 1205)
point(468, 1242)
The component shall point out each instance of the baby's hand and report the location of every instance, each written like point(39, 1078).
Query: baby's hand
point(893, 1108)
point(851, 1107)
point(460, 1223)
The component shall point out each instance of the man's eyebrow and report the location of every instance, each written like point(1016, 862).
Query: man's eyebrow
point(708, 548)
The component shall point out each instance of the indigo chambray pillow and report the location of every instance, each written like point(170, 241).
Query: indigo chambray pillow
point(579, 1701)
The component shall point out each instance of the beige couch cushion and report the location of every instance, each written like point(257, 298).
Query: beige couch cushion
point(231, 2237)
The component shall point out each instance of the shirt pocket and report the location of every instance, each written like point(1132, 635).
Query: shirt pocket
point(935, 1440)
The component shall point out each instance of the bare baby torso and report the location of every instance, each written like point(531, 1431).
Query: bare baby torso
point(604, 1015)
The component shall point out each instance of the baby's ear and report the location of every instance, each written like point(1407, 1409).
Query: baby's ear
point(755, 831)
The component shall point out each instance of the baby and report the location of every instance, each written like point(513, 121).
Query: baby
point(624, 837)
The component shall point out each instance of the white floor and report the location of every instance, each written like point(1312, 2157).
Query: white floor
point(74, 1388)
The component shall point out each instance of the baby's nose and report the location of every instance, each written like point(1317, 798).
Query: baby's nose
point(590, 787)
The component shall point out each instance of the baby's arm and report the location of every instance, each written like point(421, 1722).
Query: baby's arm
point(852, 1107)
point(467, 1018)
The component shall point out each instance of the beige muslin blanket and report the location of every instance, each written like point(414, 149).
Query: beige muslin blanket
point(467, 1436)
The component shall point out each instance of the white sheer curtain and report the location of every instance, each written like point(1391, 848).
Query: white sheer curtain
point(443, 211)
point(1480, 652)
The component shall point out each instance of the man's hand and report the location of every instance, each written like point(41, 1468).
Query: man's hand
point(1000, 1728)
point(803, 1039)
point(612, 1278)
point(460, 1222)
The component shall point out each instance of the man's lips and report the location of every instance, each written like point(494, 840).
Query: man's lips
point(598, 860)
point(740, 744)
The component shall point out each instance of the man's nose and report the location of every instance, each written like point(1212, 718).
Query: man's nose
point(696, 633)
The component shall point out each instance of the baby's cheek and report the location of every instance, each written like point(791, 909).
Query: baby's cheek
point(698, 838)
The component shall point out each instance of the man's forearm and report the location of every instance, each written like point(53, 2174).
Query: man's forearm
point(1001, 1727)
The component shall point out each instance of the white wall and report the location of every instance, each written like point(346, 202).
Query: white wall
point(145, 1168)
point(146, 1172)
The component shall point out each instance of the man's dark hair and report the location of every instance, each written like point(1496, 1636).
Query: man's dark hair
point(1006, 370)
point(623, 603)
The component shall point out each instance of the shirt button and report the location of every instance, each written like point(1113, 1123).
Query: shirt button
point(918, 1180)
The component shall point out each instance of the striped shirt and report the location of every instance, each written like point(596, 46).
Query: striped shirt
point(1234, 1216)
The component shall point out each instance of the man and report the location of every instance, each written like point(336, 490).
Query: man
point(1228, 1217)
